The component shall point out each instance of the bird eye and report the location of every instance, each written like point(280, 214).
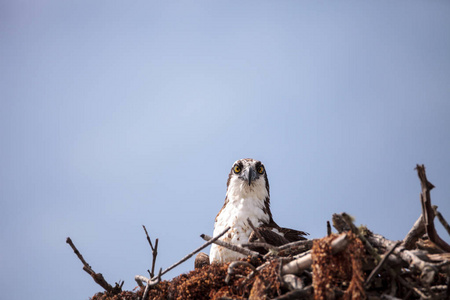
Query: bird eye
point(237, 169)
point(260, 169)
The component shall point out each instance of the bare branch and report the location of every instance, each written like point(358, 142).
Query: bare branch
point(235, 248)
point(427, 210)
point(414, 233)
point(266, 246)
point(303, 243)
point(150, 282)
point(411, 258)
point(235, 264)
point(140, 280)
point(98, 277)
point(380, 264)
point(297, 294)
point(329, 232)
point(441, 219)
point(258, 234)
point(154, 251)
point(214, 239)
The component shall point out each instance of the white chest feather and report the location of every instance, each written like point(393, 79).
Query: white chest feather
point(239, 208)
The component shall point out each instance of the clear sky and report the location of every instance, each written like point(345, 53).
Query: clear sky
point(120, 114)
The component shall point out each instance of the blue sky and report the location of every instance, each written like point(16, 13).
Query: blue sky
point(116, 115)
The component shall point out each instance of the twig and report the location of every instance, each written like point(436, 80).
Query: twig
point(235, 248)
point(284, 250)
point(260, 267)
point(86, 265)
point(292, 248)
point(140, 280)
point(154, 251)
point(156, 279)
point(98, 277)
point(441, 219)
point(214, 239)
point(235, 264)
point(412, 287)
point(414, 233)
point(150, 282)
point(427, 211)
point(305, 243)
point(380, 265)
point(303, 254)
point(258, 234)
point(261, 245)
point(411, 258)
point(329, 232)
point(297, 294)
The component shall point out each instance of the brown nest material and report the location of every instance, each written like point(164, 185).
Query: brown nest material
point(343, 269)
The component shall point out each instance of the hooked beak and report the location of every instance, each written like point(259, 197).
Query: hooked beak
point(249, 175)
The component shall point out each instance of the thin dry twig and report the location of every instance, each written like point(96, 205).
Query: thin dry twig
point(98, 277)
point(304, 293)
point(156, 279)
point(303, 243)
point(441, 219)
point(412, 287)
point(235, 248)
point(140, 280)
point(235, 264)
point(154, 251)
point(410, 258)
point(414, 233)
point(329, 232)
point(214, 239)
point(427, 211)
point(380, 264)
point(152, 282)
point(258, 234)
point(266, 246)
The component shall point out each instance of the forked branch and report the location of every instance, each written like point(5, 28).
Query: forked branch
point(154, 252)
point(427, 209)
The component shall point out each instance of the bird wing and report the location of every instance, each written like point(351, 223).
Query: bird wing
point(269, 236)
point(277, 236)
point(293, 235)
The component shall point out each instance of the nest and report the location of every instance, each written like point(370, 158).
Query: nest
point(353, 263)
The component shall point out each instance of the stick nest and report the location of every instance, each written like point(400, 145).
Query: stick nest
point(353, 264)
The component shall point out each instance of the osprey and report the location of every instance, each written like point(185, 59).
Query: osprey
point(248, 197)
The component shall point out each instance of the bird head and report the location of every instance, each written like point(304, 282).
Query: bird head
point(248, 176)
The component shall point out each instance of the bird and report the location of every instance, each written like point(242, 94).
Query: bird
point(247, 201)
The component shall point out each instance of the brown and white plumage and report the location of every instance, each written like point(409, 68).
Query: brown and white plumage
point(248, 197)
